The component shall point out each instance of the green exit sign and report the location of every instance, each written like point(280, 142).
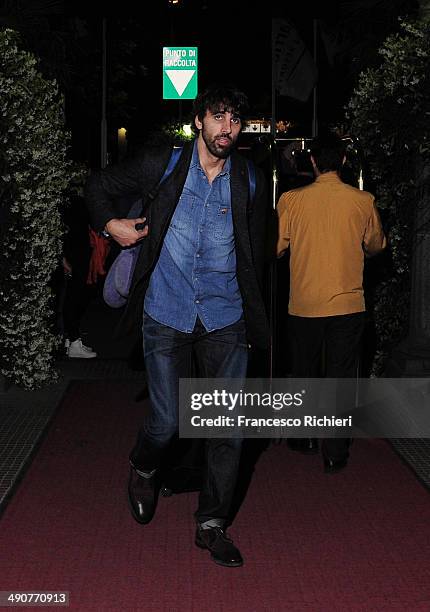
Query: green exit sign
point(179, 73)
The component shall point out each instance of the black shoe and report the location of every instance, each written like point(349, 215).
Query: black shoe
point(332, 466)
point(307, 446)
point(222, 549)
point(142, 496)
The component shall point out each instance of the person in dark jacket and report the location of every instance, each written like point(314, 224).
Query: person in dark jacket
point(198, 284)
point(76, 263)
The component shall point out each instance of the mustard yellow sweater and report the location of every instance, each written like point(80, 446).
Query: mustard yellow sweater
point(329, 227)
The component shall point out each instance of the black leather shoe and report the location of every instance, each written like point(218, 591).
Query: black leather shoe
point(142, 496)
point(222, 549)
point(332, 466)
point(307, 446)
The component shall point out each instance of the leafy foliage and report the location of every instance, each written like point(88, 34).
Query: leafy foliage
point(34, 174)
point(390, 112)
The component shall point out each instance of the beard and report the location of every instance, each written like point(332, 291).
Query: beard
point(220, 151)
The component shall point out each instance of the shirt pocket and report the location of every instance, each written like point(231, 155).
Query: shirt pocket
point(182, 216)
point(220, 222)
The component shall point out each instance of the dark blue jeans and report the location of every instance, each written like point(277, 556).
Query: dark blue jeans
point(169, 356)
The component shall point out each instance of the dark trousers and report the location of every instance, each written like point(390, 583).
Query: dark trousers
point(77, 294)
point(340, 336)
point(169, 356)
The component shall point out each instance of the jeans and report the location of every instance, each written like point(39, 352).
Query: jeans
point(169, 356)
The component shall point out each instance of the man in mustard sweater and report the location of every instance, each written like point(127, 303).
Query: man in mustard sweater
point(329, 228)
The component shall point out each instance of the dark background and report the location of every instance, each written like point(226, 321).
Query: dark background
point(234, 45)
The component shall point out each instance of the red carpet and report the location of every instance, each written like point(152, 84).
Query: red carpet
point(355, 541)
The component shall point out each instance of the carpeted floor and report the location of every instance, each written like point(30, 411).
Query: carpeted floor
point(355, 541)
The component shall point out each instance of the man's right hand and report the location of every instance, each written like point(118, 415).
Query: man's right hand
point(124, 232)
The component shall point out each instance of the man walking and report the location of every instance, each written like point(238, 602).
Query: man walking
point(197, 284)
point(329, 227)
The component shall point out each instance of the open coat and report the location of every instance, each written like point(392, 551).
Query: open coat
point(136, 178)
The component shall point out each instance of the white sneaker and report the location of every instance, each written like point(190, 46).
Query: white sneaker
point(76, 349)
point(67, 344)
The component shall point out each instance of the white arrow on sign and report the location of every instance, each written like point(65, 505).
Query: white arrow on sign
point(180, 79)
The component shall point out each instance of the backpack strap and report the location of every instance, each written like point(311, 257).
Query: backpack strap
point(252, 183)
point(140, 207)
point(174, 158)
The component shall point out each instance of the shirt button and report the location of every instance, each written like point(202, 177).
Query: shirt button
point(197, 301)
point(198, 255)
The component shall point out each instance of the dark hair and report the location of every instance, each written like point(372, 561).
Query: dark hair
point(219, 97)
point(328, 152)
point(302, 161)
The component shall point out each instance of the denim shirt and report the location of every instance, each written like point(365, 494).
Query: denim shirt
point(196, 272)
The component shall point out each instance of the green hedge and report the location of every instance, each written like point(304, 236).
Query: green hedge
point(390, 113)
point(34, 175)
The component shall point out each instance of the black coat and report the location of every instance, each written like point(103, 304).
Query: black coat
point(135, 178)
